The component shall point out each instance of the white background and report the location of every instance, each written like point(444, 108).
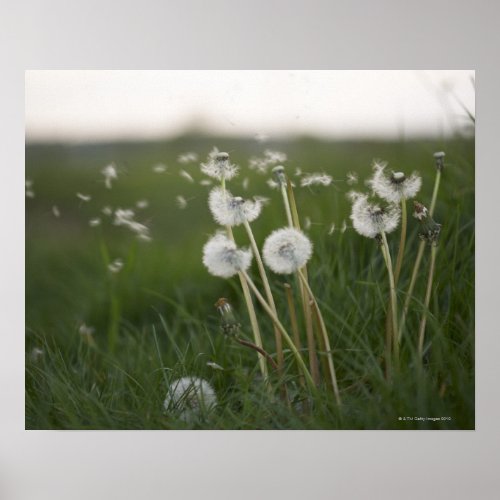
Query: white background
point(271, 34)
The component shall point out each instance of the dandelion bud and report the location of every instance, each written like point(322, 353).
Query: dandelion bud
point(219, 166)
point(229, 210)
point(395, 187)
point(286, 250)
point(439, 159)
point(190, 397)
point(429, 229)
point(223, 259)
point(370, 219)
point(229, 325)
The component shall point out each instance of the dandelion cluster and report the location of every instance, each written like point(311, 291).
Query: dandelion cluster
point(190, 397)
point(286, 250)
point(222, 258)
point(395, 187)
point(218, 166)
point(370, 219)
point(229, 210)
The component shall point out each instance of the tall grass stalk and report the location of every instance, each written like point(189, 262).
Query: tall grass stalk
point(428, 292)
point(281, 328)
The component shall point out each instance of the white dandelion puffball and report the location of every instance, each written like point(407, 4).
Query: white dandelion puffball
point(190, 397)
point(369, 219)
point(286, 250)
point(219, 167)
point(394, 187)
point(229, 210)
point(223, 259)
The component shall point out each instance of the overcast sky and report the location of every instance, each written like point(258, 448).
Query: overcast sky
point(106, 105)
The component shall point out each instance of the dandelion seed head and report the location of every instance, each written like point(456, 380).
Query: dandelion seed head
point(223, 259)
point(189, 398)
point(370, 219)
point(394, 187)
point(229, 210)
point(110, 173)
point(439, 159)
point(286, 250)
point(219, 167)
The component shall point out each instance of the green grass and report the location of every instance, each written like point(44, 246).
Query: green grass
point(155, 320)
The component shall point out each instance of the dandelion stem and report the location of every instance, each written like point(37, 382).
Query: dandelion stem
point(428, 292)
point(418, 259)
point(293, 221)
point(282, 330)
point(402, 241)
point(261, 351)
point(392, 287)
point(326, 340)
point(269, 295)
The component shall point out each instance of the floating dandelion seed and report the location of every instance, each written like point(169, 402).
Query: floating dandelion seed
point(206, 182)
point(343, 227)
point(28, 183)
point(190, 397)
point(286, 250)
point(245, 183)
point(261, 137)
point(86, 331)
point(273, 184)
point(189, 157)
point(141, 204)
point(219, 167)
point(223, 259)
point(181, 202)
point(94, 222)
point(370, 219)
point(84, 197)
point(214, 366)
point(159, 168)
point(395, 187)
point(275, 156)
point(56, 211)
point(116, 266)
point(271, 158)
point(36, 354)
point(316, 180)
point(125, 217)
point(110, 174)
point(229, 210)
point(332, 228)
point(186, 176)
point(263, 200)
point(107, 210)
point(307, 223)
point(298, 172)
point(352, 178)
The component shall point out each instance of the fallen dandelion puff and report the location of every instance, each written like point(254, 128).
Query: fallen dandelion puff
point(189, 398)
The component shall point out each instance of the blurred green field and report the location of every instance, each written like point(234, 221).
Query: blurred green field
point(160, 305)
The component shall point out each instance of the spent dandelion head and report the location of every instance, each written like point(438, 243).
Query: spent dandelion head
point(219, 166)
point(189, 398)
point(286, 250)
point(429, 229)
point(223, 258)
point(229, 210)
point(439, 159)
point(393, 187)
point(370, 219)
point(229, 324)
